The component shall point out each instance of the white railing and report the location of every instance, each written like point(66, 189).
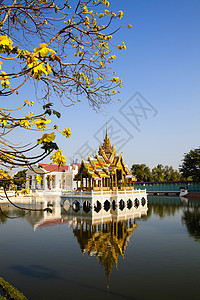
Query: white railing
point(76, 193)
point(102, 192)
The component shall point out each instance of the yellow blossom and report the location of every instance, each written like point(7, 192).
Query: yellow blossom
point(120, 14)
point(38, 178)
point(47, 138)
point(115, 79)
point(101, 64)
point(30, 103)
point(4, 175)
point(4, 40)
point(80, 53)
point(25, 192)
point(5, 82)
point(41, 123)
point(66, 132)
point(120, 47)
point(5, 43)
point(107, 3)
point(25, 123)
point(86, 21)
point(43, 50)
point(129, 25)
point(3, 123)
point(58, 158)
point(113, 14)
point(85, 10)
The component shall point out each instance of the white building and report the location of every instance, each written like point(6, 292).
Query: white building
point(51, 178)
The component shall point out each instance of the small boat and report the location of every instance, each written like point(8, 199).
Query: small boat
point(183, 191)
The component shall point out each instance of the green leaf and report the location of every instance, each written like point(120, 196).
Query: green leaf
point(49, 146)
point(48, 105)
point(48, 111)
point(58, 115)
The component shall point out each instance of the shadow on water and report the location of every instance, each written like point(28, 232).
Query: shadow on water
point(43, 273)
point(98, 289)
point(36, 271)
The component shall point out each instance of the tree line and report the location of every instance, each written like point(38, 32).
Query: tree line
point(188, 170)
point(159, 173)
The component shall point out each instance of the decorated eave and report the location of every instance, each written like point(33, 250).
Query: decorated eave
point(97, 167)
point(86, 167)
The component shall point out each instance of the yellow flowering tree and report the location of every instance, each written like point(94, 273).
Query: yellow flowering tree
point(67, 52)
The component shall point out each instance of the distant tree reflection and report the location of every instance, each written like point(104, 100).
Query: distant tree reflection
point(191, 219)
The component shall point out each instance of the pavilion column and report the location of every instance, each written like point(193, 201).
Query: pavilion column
point(81, 181)
point(90, 183)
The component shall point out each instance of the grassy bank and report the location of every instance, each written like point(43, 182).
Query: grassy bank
point(10, 291)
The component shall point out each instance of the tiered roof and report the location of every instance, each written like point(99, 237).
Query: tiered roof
point(104, 164)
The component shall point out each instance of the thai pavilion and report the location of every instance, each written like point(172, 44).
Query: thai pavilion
point(104, 178)
point(105, 171)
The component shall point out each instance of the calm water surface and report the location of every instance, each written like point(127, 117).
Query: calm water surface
point(67, 256)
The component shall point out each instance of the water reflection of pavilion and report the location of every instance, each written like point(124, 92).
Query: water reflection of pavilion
point(105, 234)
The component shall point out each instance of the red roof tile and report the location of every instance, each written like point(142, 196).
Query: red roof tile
point(51, 168)
point(52, 222)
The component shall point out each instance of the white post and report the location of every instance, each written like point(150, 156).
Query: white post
point(45, 182)
point(27, 181)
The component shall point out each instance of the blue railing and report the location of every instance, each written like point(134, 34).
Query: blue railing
point(173, 186)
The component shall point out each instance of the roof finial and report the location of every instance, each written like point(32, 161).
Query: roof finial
point(106, 128)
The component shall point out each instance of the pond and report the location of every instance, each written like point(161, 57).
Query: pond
point(109, 254)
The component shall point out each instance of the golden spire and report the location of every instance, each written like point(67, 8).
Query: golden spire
point(107, 147)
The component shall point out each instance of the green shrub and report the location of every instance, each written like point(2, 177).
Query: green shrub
point(10, 291)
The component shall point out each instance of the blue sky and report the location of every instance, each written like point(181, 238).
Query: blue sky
point(162, 65)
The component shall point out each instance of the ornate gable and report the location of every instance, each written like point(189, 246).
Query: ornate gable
point(107, 151)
